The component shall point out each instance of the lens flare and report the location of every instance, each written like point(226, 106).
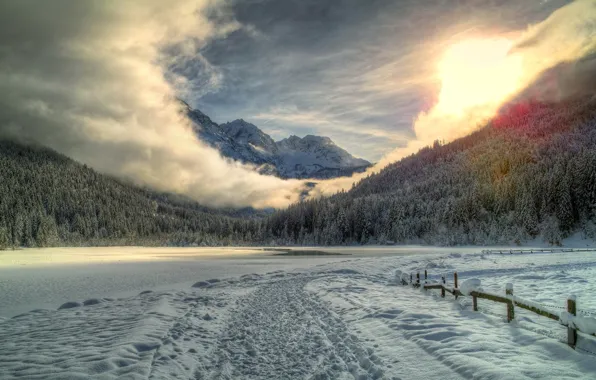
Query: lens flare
point(479, 72)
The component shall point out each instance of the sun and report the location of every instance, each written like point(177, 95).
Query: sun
point(479, 72)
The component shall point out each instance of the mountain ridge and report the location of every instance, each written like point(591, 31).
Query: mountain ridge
point(310, 157)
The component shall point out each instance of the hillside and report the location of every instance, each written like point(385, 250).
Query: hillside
point(530, 173)
point(48, 199)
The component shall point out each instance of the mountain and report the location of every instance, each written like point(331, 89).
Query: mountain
point(216, 136)
point(293, 157)
point(529, 174)
point(316, 157)
point(245, 133)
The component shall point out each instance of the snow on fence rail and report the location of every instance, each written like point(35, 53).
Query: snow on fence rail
point(536, 250)
point(471, 288)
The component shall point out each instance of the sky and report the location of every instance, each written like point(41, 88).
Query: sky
point(97, 80)
point(358, 71)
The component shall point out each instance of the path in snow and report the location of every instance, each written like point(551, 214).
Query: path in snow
point(283, 332)
point(254, 327)
point(344, 320)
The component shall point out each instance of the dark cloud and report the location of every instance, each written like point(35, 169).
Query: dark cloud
point(348, 69)
point(86, 78)
point(576, 79)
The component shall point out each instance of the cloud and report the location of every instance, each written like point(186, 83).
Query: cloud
point(87, 78)
point(563, 47)
point(564, 43)
point(95, 79)
point(347, 69)
point(315, 119)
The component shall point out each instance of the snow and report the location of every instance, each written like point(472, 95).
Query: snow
point(533, 304)
point(469, 286)
point(256, 316)
point(584, 324)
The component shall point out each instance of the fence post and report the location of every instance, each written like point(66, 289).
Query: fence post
point(571, 331)
point(425, 275)
point(410, 278)
point(418, 278)
point(510, 310)
point(443, 288)
point(475, 302)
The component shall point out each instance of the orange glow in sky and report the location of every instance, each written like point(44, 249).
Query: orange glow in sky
point(478, 72)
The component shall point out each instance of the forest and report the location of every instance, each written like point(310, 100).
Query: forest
point(528, 174)
point(50, 200)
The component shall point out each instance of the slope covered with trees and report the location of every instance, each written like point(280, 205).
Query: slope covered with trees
point(48, 199)
point(529, 173)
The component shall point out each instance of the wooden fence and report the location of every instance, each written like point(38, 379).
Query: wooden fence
point(537, 250)
point(573, 325)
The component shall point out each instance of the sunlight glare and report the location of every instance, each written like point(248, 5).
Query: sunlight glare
point(476, 73)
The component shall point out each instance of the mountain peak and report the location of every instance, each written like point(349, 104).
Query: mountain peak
point(318, 151)
point(294, 157)
point(244, 132)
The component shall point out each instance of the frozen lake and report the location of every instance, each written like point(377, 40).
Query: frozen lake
point(46, 278)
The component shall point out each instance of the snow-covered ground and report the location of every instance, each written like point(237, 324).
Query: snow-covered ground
point(133, 313)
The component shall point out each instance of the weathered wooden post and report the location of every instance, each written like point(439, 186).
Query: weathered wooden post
point(425, 275)
point(443, 288)
point(455, 284)
point(418, 279)
point(571, 331)
point(475, 302)
point(509, 294)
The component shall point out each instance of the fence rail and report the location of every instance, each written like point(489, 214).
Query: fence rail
point(569, 318)
point(537, 250)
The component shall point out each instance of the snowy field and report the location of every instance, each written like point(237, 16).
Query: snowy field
point(150, 313)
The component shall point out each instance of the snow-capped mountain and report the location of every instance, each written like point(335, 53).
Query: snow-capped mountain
point(213, 134)
point(316, 156)
point(247, 134)
point(293, 157)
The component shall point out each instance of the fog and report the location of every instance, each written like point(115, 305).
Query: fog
point(87, 79)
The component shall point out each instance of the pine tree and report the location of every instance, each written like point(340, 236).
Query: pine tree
point(5, 240)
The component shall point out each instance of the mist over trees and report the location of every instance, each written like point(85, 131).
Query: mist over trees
point(47, 199)
point(530, 173)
